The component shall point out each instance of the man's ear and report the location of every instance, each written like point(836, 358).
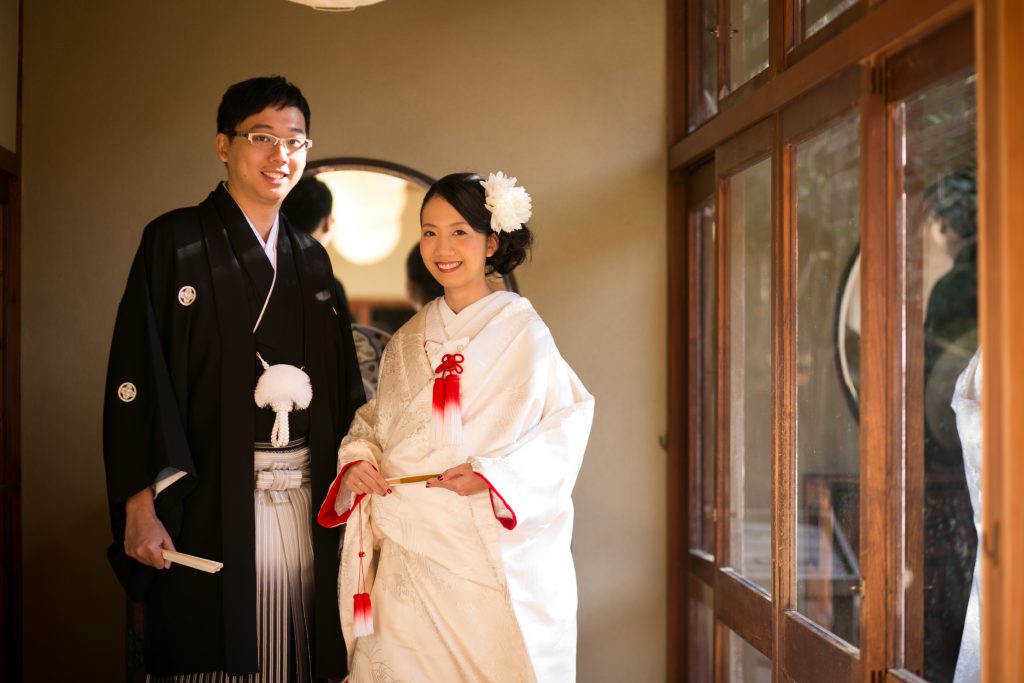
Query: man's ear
point(222, 143)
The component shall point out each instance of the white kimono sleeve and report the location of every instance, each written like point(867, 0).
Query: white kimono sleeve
point(359, 444)
point(531, 480)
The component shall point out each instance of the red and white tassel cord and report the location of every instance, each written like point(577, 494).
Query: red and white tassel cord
point(362, 609)
point(447, 417)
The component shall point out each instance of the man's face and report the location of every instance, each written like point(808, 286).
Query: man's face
point(264, 176)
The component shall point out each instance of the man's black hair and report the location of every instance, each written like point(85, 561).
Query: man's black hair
point(250, 97)
point(416, 272)
point(308, 204)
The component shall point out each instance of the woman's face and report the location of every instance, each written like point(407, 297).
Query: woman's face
point(454, 253)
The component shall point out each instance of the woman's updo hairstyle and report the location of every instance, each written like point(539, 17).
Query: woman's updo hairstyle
point(466, 195)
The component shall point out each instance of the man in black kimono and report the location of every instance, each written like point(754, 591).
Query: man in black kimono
point(192, 463)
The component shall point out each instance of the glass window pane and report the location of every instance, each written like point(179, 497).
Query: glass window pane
point(702, 512)
point(746, 663)
point(750, 432)
point(828, 434)
point(818, 13)
point(748, 40)
point(700, 640)
point(935, 131)
point(704, 54)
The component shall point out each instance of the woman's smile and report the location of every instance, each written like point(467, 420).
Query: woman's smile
point(447, 266)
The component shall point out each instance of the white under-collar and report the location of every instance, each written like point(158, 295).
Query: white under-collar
point(270, 245)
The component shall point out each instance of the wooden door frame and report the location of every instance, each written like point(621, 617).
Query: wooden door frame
point(805, 650)
point(740, 606)
point(999, 30)
point(10, 459)
point(11, 663)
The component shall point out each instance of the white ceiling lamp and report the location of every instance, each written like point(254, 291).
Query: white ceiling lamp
point(335, 5)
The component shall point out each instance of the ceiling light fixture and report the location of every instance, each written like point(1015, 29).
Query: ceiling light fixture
point(335, 5)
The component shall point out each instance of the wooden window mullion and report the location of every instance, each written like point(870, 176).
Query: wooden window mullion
point(783, 398)
point(880, 559)
point(722, 465)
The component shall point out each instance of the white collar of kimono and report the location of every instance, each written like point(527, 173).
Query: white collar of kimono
point(450, 332)
point(270, 245)
point(270, 249)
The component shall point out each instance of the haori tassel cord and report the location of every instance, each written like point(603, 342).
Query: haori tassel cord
point(447, 404)
point(362, 609)
point(282, 388)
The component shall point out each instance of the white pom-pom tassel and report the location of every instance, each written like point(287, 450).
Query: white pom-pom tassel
point(283, 388)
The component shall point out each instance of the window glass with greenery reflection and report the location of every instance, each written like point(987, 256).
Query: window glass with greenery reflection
point(704, 53)
point(750, 269)
point(818, 13)
point(748, 40)
point(828, 435)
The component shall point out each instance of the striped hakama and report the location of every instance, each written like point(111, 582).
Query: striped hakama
point(284, 570)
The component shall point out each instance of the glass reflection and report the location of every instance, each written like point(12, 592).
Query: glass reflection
point(937, 213)
point(828, 434)
point(702, 534)
point(746, 663)
point(818, 13)
point(750, 372)
point(704, 52)
point(700, 641)
point(748, 40)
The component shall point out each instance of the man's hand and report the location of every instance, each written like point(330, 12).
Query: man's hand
point(460, 479)
point(362, 477)
point(144, 533)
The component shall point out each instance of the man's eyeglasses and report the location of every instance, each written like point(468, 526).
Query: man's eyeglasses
point(268, 141)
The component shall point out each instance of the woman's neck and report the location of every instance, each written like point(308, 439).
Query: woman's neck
point(458, 299)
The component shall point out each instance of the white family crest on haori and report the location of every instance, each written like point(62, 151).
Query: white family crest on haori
point(126, 392)
point(283, 388)
point(510, 206)
point(187, 295)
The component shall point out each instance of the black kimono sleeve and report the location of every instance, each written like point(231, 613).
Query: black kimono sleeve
point(143, 432)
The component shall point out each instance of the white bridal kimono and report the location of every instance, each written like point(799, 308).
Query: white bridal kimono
point(967, 406)
point(481, 587)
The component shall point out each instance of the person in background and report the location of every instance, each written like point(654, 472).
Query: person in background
point(420, 285)
point(309, 208)
point(232, 378)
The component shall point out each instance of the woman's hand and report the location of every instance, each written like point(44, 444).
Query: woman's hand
point(460, 479)
point(362, 477)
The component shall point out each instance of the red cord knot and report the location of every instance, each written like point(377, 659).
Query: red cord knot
point(362, 554)
point(451, 364)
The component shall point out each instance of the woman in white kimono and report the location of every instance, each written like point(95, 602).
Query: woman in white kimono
point(456, 481)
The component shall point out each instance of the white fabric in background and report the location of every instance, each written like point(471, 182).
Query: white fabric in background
point(966, 404)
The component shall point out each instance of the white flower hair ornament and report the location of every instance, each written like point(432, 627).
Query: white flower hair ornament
point(510, 206)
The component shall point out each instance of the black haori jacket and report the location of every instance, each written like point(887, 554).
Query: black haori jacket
point(179, 393)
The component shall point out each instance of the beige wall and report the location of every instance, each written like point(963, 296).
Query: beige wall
point(9, 14)
point(119, 120)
